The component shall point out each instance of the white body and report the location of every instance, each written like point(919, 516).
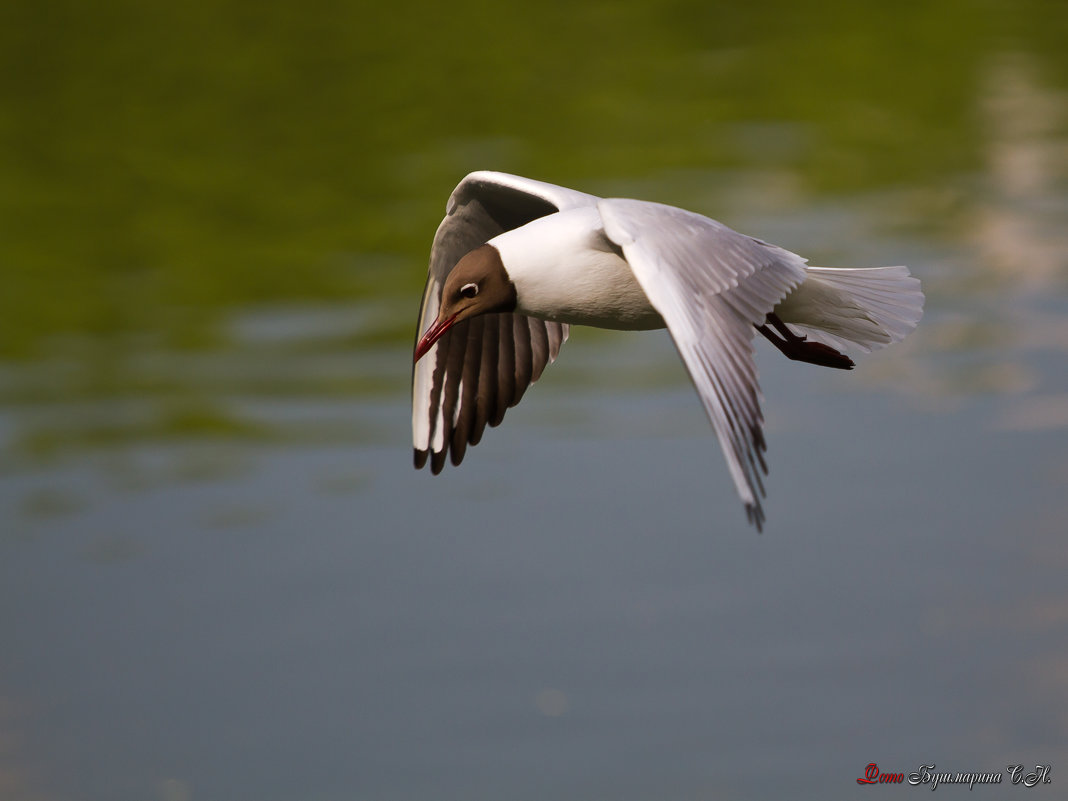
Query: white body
point(566, 270)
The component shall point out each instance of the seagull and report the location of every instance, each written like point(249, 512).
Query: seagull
point(517, 261)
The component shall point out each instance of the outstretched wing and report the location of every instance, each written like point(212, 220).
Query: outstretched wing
point(481, 366)
point(711, 285)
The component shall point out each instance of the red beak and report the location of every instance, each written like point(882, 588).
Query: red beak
point(432, 335)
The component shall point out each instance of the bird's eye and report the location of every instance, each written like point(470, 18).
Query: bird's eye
point(469, 290)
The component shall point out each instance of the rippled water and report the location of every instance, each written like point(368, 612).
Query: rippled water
point(220, 577)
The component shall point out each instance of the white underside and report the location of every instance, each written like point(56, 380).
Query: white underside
point(565, 270)
point(865, 307)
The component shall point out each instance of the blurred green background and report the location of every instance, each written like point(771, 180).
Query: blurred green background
point(165, 167)
point(162, 164)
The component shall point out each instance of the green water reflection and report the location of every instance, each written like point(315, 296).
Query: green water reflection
point(167, 171)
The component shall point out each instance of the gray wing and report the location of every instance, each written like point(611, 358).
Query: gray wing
point(481, 366)
point(711, 285)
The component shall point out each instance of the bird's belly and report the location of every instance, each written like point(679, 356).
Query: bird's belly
point(622, 316)
point(596, 288)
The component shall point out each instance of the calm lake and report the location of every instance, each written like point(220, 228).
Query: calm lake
point(222, 580)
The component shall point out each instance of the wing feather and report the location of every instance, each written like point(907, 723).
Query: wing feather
point(539, 348)
point(711, 285)
point(524, 355)
point(505, 369)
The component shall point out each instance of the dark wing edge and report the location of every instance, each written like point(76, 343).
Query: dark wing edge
point(482, 366)
point(711, 285)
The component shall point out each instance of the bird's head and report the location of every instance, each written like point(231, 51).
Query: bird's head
point(478, 284)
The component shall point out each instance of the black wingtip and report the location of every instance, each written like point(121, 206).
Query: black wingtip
point(457, 450)
point(437, 459)
point(755, 514)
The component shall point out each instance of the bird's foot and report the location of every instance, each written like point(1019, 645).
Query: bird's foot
point(798, 348)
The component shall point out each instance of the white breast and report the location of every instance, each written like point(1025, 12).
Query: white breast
point(565, 270)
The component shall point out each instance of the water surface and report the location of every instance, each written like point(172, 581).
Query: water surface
point(220, 577)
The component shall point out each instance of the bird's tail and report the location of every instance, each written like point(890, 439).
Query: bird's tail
point(865, 307)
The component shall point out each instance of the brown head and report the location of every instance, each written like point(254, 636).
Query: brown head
point(478, 284)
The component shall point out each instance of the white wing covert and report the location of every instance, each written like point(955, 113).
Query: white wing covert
point(481, 366)
point(711, 285)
